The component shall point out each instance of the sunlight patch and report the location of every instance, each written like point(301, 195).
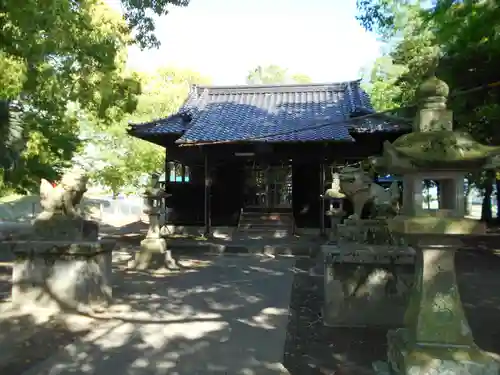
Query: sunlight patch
point(266, 319)
point(117, 337)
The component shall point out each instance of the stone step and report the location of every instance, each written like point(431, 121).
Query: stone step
point(271, 224)
point(268, 217)
point(264, 227)
point(266, 222)
point(267, 214)
point(266, 230)
point(246, 243)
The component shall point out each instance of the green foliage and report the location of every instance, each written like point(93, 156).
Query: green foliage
point(301, 78)
point(396, 75)
point(465, 35)
point(385, 17)
point(274, 74)
point(381, 86)
point(60, 62)
point(59, 20)
point(126, 159)
point(140, 17)
point(113, 176)
point(462, 34)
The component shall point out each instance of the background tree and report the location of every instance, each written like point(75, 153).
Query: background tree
point(465, 36)
point(123, 160)
point(139, 15)
point(10, 137)
point(300, 78)
point(274, 74)
point(57, 16)
point(59, 67)
point(61, 62)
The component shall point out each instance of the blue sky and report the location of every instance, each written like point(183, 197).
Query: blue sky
point(224, 39)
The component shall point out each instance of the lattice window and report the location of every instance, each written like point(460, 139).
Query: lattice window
point(179, 173)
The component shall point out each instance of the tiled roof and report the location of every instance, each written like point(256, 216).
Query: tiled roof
point(170, 125)
point(274, 113)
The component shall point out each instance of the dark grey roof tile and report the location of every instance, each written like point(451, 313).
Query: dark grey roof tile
point(227, 113)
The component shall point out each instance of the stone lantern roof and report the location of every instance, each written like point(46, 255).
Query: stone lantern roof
point(434, 145)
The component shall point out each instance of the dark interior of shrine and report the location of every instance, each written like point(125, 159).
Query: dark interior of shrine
point(263, 176)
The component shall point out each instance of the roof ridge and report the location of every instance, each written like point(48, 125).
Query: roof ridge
point(278, 87)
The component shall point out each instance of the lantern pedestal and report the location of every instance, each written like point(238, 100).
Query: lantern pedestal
point(153, 252)
point(437, 338)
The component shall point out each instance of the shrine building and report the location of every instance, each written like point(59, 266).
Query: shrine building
point(234, 150)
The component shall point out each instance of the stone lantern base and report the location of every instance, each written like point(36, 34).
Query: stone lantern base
point(437, 339)
point(153, 254)
point(410, 358)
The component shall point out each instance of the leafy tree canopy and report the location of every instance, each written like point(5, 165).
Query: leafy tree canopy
point(140, 17)
point(465, 36)
point(121, 159)
point(57, 66)
point(274, 74)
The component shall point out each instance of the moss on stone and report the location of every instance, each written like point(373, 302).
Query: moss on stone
point(443, 146)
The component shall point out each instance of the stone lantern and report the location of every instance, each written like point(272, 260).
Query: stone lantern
point(336, 209)
point(436, 338)
point(154, 247)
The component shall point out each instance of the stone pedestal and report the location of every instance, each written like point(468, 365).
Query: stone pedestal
point(366, 285)
point(153, 252)
point(371, 231)
point(56, 226)
point(335, 220)
point(60, 275)
point(437, 338)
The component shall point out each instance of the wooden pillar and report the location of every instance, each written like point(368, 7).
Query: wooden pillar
point(167, 168)
point(322, 200)
point(183, 172)
point(208, 183)
point(167, 180)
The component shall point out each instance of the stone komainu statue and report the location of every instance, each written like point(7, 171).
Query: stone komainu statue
point(60, 219)
point(357, 185)
point(63, 198)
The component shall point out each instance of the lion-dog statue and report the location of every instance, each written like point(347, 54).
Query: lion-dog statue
point(357, 185)
point(64, 197)
point(60, 218)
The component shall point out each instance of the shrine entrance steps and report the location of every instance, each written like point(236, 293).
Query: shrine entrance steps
point(262, 223)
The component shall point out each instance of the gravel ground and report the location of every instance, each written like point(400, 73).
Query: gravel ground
point(312, 348)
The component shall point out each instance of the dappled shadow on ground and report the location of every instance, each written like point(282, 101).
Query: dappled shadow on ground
point(219, 315)
point(312, 348)
point(27, 340)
